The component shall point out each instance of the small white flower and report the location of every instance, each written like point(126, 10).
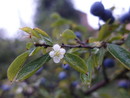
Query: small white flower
point(57, 53)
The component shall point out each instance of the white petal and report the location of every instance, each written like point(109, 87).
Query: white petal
point(62, 51)
point(52, 53)
point(61, 56)
point(56, 47)
point(56, 59)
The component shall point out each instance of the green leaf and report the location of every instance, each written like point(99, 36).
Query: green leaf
point(30, 68)
point(29, 45)
point(98, 58)
point(47, 40)
point(90, 67)
point(45, 37)
point(120, 54)
point(35, 50)
point(16, 65)
point(80, 28)
point(105, 31)
point(26, 29)
point(117, 37)
point(92, 39)
point(39, 31)
point(76, 62)
point(93, 61)
point(68, 34)
point(30, 31)
point(127, 41)
point(86, 78)
point(55, 16)
point(60, 22)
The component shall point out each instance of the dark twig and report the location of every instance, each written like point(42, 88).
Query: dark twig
point(42, 45)
point(80, 45)
point(95, 87)
point(80, 42)
point(104, 82)
point(67, 46)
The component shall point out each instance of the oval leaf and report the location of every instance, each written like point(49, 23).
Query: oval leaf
point(86, 78)
point(59, 22)
point(68, 34)
point(34, 50)
point(16, 65)
point(29, 45)
point(43, 33)
point(30, 68)
point(120, 54)
point(26, 29)
point(47, 40)
point(30, 31)
point(76, 62)
point(105, 31)
point(127, 41)
point(97, 59)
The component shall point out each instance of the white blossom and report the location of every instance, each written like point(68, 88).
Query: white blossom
point(57, 53)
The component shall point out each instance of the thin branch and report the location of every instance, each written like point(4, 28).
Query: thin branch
point(104, 82)
point(95, 87)
point(80, 45)
point(41, 45)
point(67, 46)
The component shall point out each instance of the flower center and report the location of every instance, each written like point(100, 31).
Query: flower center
point(57, 53)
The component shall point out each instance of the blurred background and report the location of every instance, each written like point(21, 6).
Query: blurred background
point(64, 82)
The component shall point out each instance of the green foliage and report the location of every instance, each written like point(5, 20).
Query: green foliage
point(81, 58)
point(105, 31)
point(127, 42)
point(59, 22)
point(93, 52)
point(120, 54)
point(29, 69)
point(76, 62)
point(30, 31)
point(29, 45)
point(39, 31)
point(88, 79)
point(97, 58)
point(16, 66)
point(34, 51)
point(68, 34)
point(85, 55)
